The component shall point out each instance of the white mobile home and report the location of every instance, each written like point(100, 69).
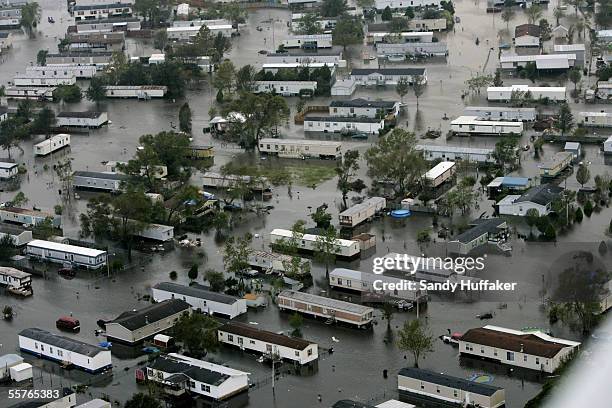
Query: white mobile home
point(89, 258)
point(201, 298)
point(386, 76)
point(82, 119)
point(110, 182)
point(307, 242)
point(306, 41)
point(338, 124)
point(501, 113)
point(404, 37)
point(39, 78)
point(15, 280)
point(327, 308)
point(53, 144)
point(189, 32)
point(556, 164)
point(328, 56)
point(285, 88)
point(506, 93)
point(455, 153)
point(344, 87)
point(98, 59)
point(65, 350)
point(18, 234)
point(440, 173)
point(101, 11)
point(527, 35)
point(245, 337)
point(275, 67)
point(157, 232)
point(8, 170)
point(531, 350)
point(273, 262)
point(79, 71)
point(368, 283)
point(300, 149)
point(108, 25)
point(553, 62)
point(140, 91)
point(425, 387)
point(418, 48)
point(595, 119)
point(472, 125)
point(218, 180)
point(24, 216)
point(404, 4)
point(364, 108)
point(30, 92)
point(178, 374)
point(355, 215)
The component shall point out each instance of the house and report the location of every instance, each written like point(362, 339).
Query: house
point(273, 262)
point(501, 113)
point(6, 40)
point(549, 63)
point(373, 38)
point(456, 153)
point(155, 232)
point(24, 216)
point(18, 235)
point(135, 91)
point(480, 232)
point(339, 124)
point(532, 350)
point(277, 66)
point(404, 4)
point(430, 388)
point(539, 198)
point(364, 108)
point(506, 93)
point(560, 32)
point(82, 119)
point(324, 23)
point(102, 11)
point(99, 59)
point(555, 165)
point(385, 49)
point(595, 119)
point(52, 144)
point(40, 78)
point(178, 374)
point(343, 87)
point(578, 50)
point(108, 25)
point(386, 76)
point(286, 88)
point(133, 327)
point(8, 170)
point(356, 404)
point(81, 71)
point(308, 41)
point(246, 337)
point(574, 148)
point(329, 309)
point(306, 57)
point(40, 93)
point(187, 33)
point(300, 149)
point(527, 35)
point(16, 281)
point(65, 350)
point(374, 286)
point(362, 212)
point(507, 184)
point(201, 298)
point(440, 173)
point(472, 125)
point(10, 18)
point(345, 249)
point(96, 42)
point(50, 251)
point(103, 181)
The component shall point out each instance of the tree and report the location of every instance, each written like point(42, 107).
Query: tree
point(506, 151)
point(96, 91)
point(348, 31)
point(588, 208)
point(402, 87)
point(167, 149)
point(245, 79)
point(296, 321)
point(160, 40)
point(418, 86)
point(44, 230)
point(30, 17)
point(147, 8)
point(387, 14)
point(415, 338)
point(132, 209)
point(583, 175)
point(475, 84)
point(44, 121)
point(141, 400)
point(67, 93)
point(185, 118)
point(398, 24)
point(197, 332)
point(532, 216)
point(531, 71)
point(326, 246)
point(565, 119)
point(394, 159)
point(215, 280)
point(41, 57)
point(192, 273)
point(236, 254)
point(225, 76)
point(497, 80)
point(507, 15)
point(409, 12)
point(7, 248)
point(574, 76)
point(578, 216)
point(12, 131)
point(558, 13)
point(347, 172)
point(534, 13)
point(309, 24)
point(333, 8)
point(19, 200)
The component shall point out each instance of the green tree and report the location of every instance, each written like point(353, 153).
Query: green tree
point(96, 91)
point(19, 200)
point(141, 400)
point(575, 76)
point(333, 8)
point(197, 332)
point(236, 254)
point(583, 175)
point(215, 280)
point(7, 248)
point(507, 15)
point(418, 86)
point(185, 118)
point(160, 40)
point(532, 217)
point(321, 217)
point(44, 230)
point(41, 57)
point(414, 337)
point(506, 151)
point(497, 80)
point(588, 208)
point(30, 17)
point(165, 148)
point(67, 93)
point(394, 159)
point(475, 84)
point(565, 120)
point(398, 24)
point(534, 13)
point(12, 131)
point(409, 12)
point(558, 13)
point(402, 87)
point(531, 71)
point(387, 14)
point(309, 24)
point(44, 121)
point(147, 8)
point(578, 216)
point(296, 321)
point(326, 246)
point(348, 31)
point(192, 273)
point(388, 310)
point(347, 175)
point(245, 79)
point(225, 77)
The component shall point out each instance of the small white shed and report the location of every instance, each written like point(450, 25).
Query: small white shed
point(21, 372)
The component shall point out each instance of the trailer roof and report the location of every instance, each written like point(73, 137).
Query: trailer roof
point(453, 149)
point(62, 342)
point(474, 120)
point(300, 142)
point(16, 273)
point(56, 246)
point(325, 301)
point(439, 169)
point(497, 109)
point(357, 208)
point(310, 237)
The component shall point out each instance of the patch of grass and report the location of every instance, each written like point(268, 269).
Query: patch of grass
point(310, 176)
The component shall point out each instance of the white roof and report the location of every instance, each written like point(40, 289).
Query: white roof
point(509, 199)
point(539, 334)
point(562, 62)
point(453, 149)
point(300, 142)
point(595, 114)
point(16, 273)
point(474, 120)
point(310, 37)
point(208, 365)
point(21, 367)
point(7, 165)
point(310, 237)
point(525, 88)
point(299, 83)
point(56, 246)
point(439, 169)
point(162, 337)
point(497, 109)
point(51, 139)
point(95, 403)
point(416, 34)
point(370, 202)
point(395, 404)
point(197, 28)
point(569, 47)
point(274, 65)
point(346, 273)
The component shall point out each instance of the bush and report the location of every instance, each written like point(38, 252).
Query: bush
point(578, 216)
point(67, 93)
point(588, 208)
point(173, 275)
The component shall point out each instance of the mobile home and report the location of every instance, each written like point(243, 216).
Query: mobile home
point(89, 258)
point(139, 91)
point(607, 146)
point(273, 262)
point(82, 119)
point(24, 216)
point(103, 181)
point(367, 283)
point(285, 88)
point(329, 56)
point(364, 108)
point(404, 37)
point(300, 149)
point(30, 92)
point(472, 125)
point(218, 180)
point(339, 124)
point(501, 113)
point(16, 281)
point(313, 41)
point(404, 4)
point(417, 48)
point(506, 93)
point(189, 32)
point(19, 235)
point(38, 78)
point(362, 212)
point(595, 119)
point(330, 309)
point(53, 144)
point(345, 248)
point(556, 164)
point(454, 153)
point(8, 170)
point(440, 173)
point(98, 59)
point(58, 70)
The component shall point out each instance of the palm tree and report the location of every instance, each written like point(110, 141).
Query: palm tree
point(30, 17)
point(534, 12)
point(580, 26)
point(558, 14)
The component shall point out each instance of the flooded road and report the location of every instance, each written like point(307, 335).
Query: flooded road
point(355, 368)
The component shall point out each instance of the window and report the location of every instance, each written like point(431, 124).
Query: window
point(230, 337)
point(297, 353)
point(309, 352)
point(422, 386)
point(268, 348)
point(510, 356)
point(525, 357)
point(36, 346)
point(191, 384)
point(537, 360)
point(251, 341)
point(240, 340)
point(437, 389)
point(205, 388)
point(60, 353)
point(51, 350)
point(42, 348)
point(455, 393)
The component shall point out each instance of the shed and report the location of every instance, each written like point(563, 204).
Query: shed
point(21, 372)
point(574, 148)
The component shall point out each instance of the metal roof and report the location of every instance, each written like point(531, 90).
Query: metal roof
point(439, 169)
point(478, 229)
point(388, 71)
point(7, 165)
point(543, 194)
point(453, 149)
point(140, 318)
point(449, 381)
point(357, 208)
point(360, 119)
point(300, 142)
point(310, 237)
point(62, 342)
point(89, 115)
point(326, 302)
point(100, 175)
point(168, 364)
point(362, 103)
point(72, 249)
point(245, 330)
point(197, 291)
point(509, 181)
point(15, 273)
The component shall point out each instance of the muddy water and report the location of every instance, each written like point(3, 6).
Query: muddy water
point(354, 370)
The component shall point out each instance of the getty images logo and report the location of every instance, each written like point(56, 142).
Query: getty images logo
point(412, 264)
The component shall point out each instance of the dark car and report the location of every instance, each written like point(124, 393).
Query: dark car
point(67, 273)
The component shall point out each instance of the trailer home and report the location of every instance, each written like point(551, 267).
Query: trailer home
point(218, 180)
point(82, 119)
point(506, 93)
point(329, 56)
point(556, 164)
point(440, 173)
point(345, 248)
point(404, 37)
point(65, 350)
point(364, 108)
point(8, 170)
point(339, 124)
point(53, 144)
point(300, 149)
point(595, 119)
point(102, 11)
point(330, 309)
point(374, 286)
point(39, 78)
point(313, 41)
point(79, 71)
point(108, 25)
point(455, 153)
point(285, 88)
point(246, 337)
point(501, 113)
point(189, 32)
point(412, 48)
point(16, 281)
point(18, 235)
point(156, 232)
point(30, 92)
point(101, 181)
point(98, 59)
point(24, 216)
point(404, 4)
point(472, 125)
point(362, 212)
point(138, 91)
point(270, 262)
point(89, 258)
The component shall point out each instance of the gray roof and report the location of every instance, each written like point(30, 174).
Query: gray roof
point(89, 114)
point(84, 54)
point(198, 291)
point(7, 165)
point(449, 381)
point(100, 175)
point(168, 364)
point(102, 6)
point(357, 208)
point(480, 227)
point(325, 301)
point(109, 20)
point(245, 330)
point(10, 360)
point(335, 50)
point(11, 229)
point(3, 109)
point(543, 194)
point(140, 318)
point(351, 404)
point(388, 71)
point(342, 119)
point(62, 342)
point(362, 103)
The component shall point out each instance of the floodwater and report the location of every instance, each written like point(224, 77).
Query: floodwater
point(355, 369)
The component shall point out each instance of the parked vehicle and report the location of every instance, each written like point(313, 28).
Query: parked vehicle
point(68, 323)
point(66, 273)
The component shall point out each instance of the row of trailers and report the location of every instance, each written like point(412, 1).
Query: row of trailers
point(492, 120)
